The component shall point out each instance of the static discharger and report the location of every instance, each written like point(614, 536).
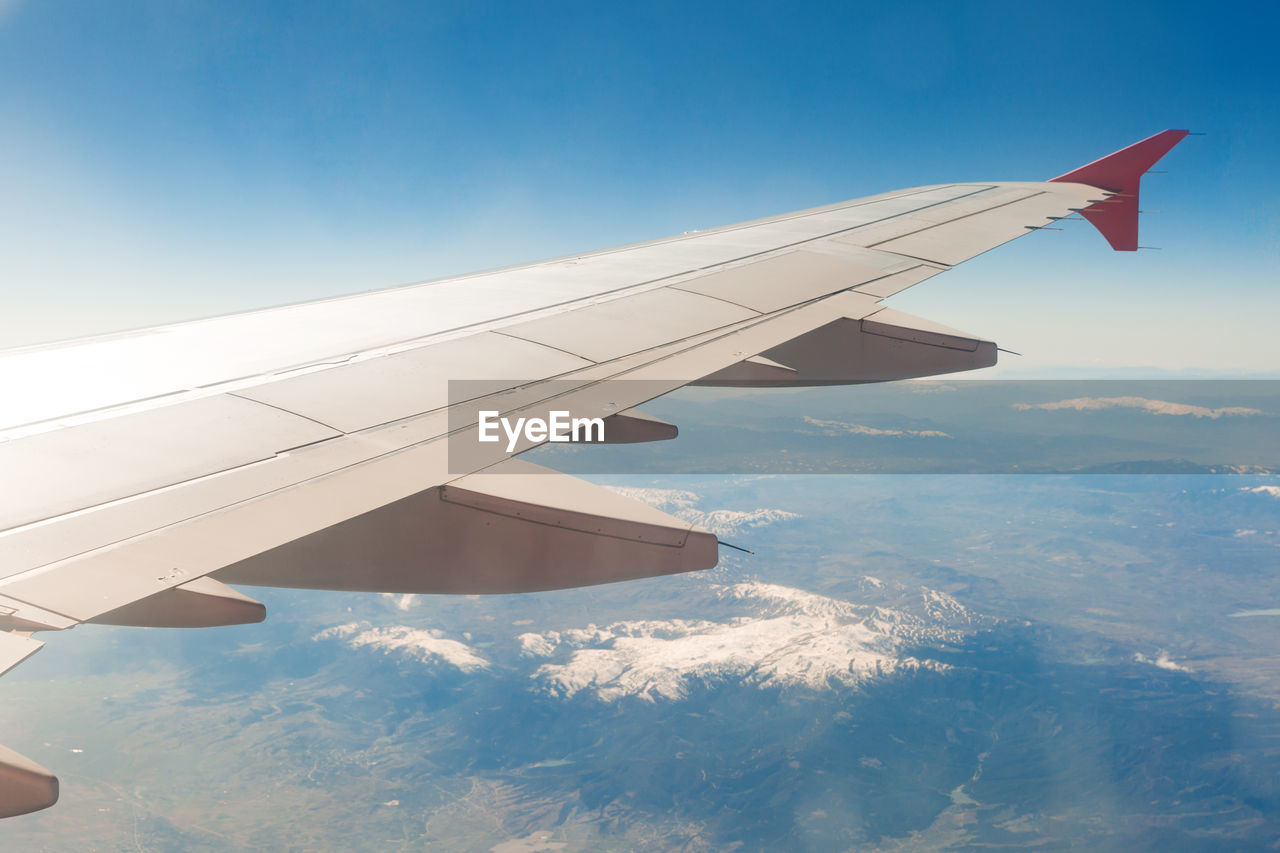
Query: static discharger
point(725, 544)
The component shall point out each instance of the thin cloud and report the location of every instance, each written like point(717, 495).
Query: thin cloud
point(834, 428)
point(1155, 407)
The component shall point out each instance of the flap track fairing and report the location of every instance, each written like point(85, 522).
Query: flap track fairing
point(515, 528)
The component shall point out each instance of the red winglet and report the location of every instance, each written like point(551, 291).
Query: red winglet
point(1121, 173)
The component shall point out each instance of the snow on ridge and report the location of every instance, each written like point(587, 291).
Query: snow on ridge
point(723, 522)
point(427, 646)
point(1161, 660)
point(1274, 491)
point(834, 428)
point(546, 643)
point(726, 522)
point(783, 651)
point(1155, 407)
point(539, 645)
point(667, 500)
point(940, 604)
point(792, 638)
point(789, 600)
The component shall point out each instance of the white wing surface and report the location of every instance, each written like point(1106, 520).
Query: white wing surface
point(333, 445)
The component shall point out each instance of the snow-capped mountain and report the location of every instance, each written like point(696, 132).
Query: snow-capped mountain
point(426, 645)
point(782, 637)
point(763, 635)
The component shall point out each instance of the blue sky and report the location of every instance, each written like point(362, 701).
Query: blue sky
point(166, 160)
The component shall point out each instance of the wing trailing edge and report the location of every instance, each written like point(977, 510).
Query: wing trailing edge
point(202, 603)
point(516, 527)
point(885, 346)
point(635, 427)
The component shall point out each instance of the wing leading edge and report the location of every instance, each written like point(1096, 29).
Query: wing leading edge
point(317, 455)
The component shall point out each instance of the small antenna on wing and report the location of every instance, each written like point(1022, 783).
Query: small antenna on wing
point(1011, 352)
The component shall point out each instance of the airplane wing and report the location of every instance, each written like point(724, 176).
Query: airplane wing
point(337, 444)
